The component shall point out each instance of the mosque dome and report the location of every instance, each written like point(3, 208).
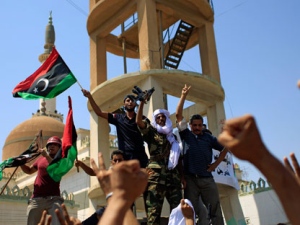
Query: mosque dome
point(22, 135)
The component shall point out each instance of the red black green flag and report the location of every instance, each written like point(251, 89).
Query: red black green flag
point(27, 156)
point(51, 79)
point(64, 159)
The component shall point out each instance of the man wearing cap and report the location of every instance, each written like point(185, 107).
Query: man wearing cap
point(164, 168)
point(130, 140)
point(197, 159)
point(46, 192)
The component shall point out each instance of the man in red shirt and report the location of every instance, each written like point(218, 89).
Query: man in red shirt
point(46, 192)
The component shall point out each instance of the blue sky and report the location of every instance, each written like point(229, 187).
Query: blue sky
point(258, 50)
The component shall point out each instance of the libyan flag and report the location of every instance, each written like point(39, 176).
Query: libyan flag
point(27, 156)
point(65, 157)
point(51, 79)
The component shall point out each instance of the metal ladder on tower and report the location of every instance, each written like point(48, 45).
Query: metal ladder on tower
point(178, 45)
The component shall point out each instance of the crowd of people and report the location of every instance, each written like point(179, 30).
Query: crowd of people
point(168, 173)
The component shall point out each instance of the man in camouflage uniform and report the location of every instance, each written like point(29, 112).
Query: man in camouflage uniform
point(164, 166)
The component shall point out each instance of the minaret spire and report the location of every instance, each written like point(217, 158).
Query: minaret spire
point(48, 107)
point(49, 40)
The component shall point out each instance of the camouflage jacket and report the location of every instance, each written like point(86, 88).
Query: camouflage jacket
point(158, 146)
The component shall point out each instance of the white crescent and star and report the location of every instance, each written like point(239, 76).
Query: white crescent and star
point(45, 87)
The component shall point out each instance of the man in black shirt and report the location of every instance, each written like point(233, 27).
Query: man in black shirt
point(130, 140)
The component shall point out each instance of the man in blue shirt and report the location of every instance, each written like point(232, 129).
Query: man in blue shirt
point(197, 159)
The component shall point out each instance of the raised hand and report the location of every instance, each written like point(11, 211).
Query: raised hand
point(43, 151)
point(295, 168)
point(44, 220)
point(86, 93)
point(102, 174)
point(64, 219)
point(129, 179)
point(241, 136)
point(186, 209)
point(185, 90)
point(179, 108)
point(77, 163)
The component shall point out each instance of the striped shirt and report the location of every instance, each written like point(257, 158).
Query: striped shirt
point(197, 150)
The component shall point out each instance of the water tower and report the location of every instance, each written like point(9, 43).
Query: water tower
point(141, 27)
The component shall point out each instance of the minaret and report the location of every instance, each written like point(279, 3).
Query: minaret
point(47, 107)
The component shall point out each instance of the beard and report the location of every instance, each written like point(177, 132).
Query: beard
point(129, 109)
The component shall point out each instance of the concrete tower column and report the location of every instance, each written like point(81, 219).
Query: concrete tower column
point(98, 75)
point(230, 203)
point(99, 128)
point(215, 118)
point(148, 35)
point(98, 67)
point(92, 4)
point(208, 51)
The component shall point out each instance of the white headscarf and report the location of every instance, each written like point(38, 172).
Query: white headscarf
point(168, 130)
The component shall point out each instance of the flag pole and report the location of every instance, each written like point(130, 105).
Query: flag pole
point(79, 84)
point(77, 155)
point(3, 188)
point(77, 166)
point(41, 143)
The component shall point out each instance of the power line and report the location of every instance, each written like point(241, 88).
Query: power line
point(226, 97)
point(77, 7)
point(242, 3)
